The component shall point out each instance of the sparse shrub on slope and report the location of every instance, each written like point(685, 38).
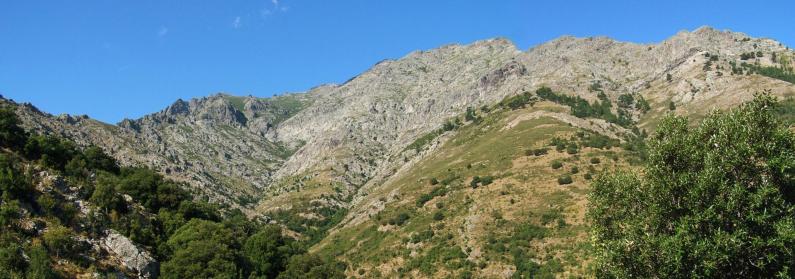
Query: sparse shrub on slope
point(715, 201)
point(565, 179)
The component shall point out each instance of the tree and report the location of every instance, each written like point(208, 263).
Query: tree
point(13, 184)
point(565, 179)
point(58, 240)
point(12, 263)
point(98, 160)
point(671, 106)
point(105, 196)
point(314, 267)
point(713, 201)
point(11, 135)
point(202, 249)
point(39, 266)
point(268, 252)
point(9, 212)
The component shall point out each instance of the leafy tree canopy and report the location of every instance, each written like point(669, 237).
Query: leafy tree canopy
point(713, 201)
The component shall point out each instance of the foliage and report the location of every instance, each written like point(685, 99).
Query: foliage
point(565, 179)
point(12, 263)
point(537, 152)
point(105, 195)
point(481, 181)
point(518, 101)
point(785, 111)
point(310, 266)
point(11, 135)
point(150, 189)
point(779, 73)
point(13, 183)
point(39, 265)
point(437, 191)
point(583, 109)
point(268, 251)
point(60, 240)
point(714, 201)
point(53, 151)
point(202, 249)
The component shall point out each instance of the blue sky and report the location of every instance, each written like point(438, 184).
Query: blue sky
point(117, 59)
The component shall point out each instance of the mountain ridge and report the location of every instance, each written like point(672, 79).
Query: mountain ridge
point(382, 110)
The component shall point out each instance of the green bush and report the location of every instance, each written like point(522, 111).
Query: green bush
point(39, 264)
point(437, 191)
point(13, 183)
point(202, 249)
point(475, 182)
point(11, 135)
point(572, 148)
point(574, 170)
point(540, 151)
point(268, 251)
point(595, 160)
point(311, 266)
point(60, 240)
point(11, 260)
point(565, 179)
point(556, 165)
point(518, 101)
point(713, 201)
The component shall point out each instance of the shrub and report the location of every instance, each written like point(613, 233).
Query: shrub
point(438, 216)
point(486, 180)
point(588, 176)
point(572, 148)
point(202, 249)
point(574, 170)
point(11, 135)
point(39, 263)
point(565, 179)
point(713, 201)
point(434, 181)
point(313, 266)
point(556, 165)
point(518, 101)
point(399, 219)
point(475, 181)
point(595, 160)
point(60, 241)
point(13, 183)
point(268, 251)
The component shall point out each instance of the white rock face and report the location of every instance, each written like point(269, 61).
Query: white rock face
point(137, 260)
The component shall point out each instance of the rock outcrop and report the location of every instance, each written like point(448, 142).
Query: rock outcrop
point(131, 256)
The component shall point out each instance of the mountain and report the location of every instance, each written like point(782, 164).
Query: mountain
point(381, 170)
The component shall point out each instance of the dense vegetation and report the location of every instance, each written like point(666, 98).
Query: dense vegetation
point(191, 239)
point(601, 109)
point(714, 201)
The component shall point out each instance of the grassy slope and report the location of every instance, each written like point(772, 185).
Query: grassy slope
point(479, 226)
